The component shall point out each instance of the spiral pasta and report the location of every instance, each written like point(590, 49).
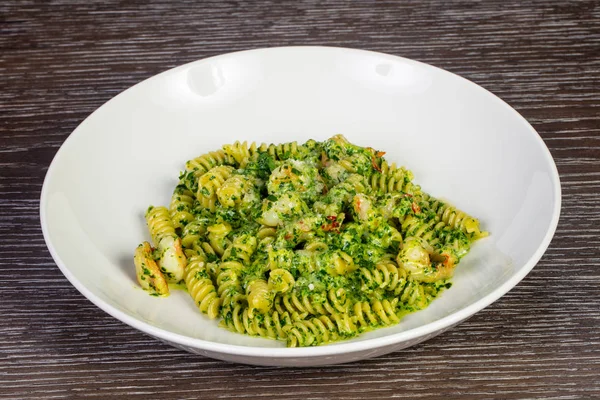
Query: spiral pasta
point(304, 243)
point(192, 235)
point(280, 280)
point(376, 313)
point(209, 183)
point(169, 254)
point(458, 219)
point(437, 233)
point(384, 275)
point(197, 167)
point(217, 237)
point(338, 262)
point(271, 325)
point(320, 330)
point(413, 295)
point(159, 224)
point(260, 297)
point(393, 179)
point(181, 207)
point(324, 303)
point(241, 249)
point(231, 191)
point(200, 286)
point(229, 284)
point(282, 151)
point(240, 152)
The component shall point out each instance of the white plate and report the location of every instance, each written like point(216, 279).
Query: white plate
point(462, 143)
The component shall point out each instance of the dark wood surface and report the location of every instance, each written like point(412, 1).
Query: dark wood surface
point(61, 60)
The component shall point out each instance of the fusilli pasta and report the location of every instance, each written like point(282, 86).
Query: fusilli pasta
point(305, 243)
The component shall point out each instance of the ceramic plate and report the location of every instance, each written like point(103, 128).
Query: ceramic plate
point(461, 142)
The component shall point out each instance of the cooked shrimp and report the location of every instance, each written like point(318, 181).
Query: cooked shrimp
point(362, 206)
point(296, 176)
point(287, 206)
point(172, 260)
point(336, 173)
point(148, 274)
point(366, 213)
point(298, 231)
point(416, 256)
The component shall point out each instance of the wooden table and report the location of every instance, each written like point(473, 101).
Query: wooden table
point(61, 61)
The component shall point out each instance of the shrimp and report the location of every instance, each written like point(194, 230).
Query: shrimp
point(418, 258)
point(362, 206)
point(340, 195)
point(371, 216)
point(336, 173)
point(148, 273)
point(288, 174)
point(299, 231)
point(296, 176)
point(284, 208)
point(172, 260)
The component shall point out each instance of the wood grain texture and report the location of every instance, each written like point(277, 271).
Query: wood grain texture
point(61, 60)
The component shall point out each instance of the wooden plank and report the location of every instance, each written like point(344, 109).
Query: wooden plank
point(61, 60)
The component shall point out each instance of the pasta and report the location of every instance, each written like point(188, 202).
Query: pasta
point(182, 204)
point(305, 243)
point(201, 288)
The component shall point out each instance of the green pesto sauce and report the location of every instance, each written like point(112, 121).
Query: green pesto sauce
point(326, 213)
